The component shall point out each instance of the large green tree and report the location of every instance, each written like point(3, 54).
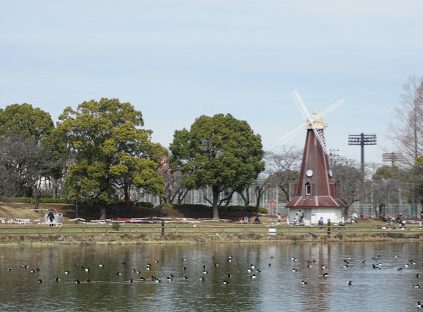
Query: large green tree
point(25, 159)
point(220, 152)
point(25, 121)
point(109, 152)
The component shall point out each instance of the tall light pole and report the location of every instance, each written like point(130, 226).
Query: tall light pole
point(362, 140)
point(392, 157)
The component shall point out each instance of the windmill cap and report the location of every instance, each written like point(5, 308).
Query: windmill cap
point(315, 121)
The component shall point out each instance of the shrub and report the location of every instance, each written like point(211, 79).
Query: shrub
point(144, 205)
point(52, 200)
point(167, 205)
point(115, 226)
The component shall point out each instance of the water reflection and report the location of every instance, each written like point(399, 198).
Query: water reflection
point(288, 277)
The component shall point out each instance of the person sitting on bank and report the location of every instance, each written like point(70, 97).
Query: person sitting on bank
point(257, 220)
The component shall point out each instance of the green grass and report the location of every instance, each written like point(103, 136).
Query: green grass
point(200, 228)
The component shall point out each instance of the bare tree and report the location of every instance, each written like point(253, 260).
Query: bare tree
point(407, 130)
point(348, 178)
point(174, 188)
point(283, 169)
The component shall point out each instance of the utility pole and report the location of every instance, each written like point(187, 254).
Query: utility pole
point(362, 140)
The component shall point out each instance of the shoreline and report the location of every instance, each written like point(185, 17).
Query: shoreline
point(200, 238)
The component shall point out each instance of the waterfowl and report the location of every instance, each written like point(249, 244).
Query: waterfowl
point(185, 277)
point(253, 276)
point(67, 272)
point(101, 265)
point(40, 281)
point(142, 278)
point(303, 282)
point(416, 286)
point(57, 279)
point(88, 280)
point(9, 269)
point(118, 273)
point(77, 282)
point(325, 275)
point(349, 283)
point(417, 275)
point(131, 280)
point(419, 305)
point(225, 282)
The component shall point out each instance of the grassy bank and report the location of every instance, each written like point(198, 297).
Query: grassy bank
point(202, 232)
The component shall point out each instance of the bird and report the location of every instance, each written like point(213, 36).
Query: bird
point(67, 272)
point(325, 275)
point(225, 282)
point(10, 269)
point(131, 280)
point(57, 279)
point(303, 282)
point(419, 305)
point(349, 283)
point(40, 281)
point(416, 286)
point(101, 265)
point(77, 282)
point(118, 273)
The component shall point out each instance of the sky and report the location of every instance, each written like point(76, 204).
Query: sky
point(176, 60)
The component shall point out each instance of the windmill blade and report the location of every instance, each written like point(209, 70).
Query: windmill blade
point(339, 102)
point(297, 99)
point(320, 138)
point(290, 134)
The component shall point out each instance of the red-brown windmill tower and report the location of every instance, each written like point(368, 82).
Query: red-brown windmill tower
point(315, 192)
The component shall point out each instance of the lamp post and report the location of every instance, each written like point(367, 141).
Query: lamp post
point(78, 188)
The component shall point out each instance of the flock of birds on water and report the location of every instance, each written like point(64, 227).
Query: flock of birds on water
point(142, 275)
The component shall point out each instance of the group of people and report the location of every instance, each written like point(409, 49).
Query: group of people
point(245, 220)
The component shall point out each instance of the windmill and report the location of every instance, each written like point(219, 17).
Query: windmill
point(306, 115)
point(315, 192)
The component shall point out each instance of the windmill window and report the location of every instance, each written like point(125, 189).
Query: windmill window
point(308, 188)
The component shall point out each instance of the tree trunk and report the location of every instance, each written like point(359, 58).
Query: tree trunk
point(103, 215)
point(215, 191)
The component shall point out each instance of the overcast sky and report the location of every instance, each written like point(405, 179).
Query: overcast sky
point(176, 60)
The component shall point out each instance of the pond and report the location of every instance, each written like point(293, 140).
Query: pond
point(213, 277)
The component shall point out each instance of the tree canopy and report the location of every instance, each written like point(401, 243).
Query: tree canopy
point(24, 157)
point(108, 150)
point(219, 151)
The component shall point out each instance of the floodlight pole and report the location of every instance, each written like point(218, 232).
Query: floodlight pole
point(362, 140)
point(392, 157)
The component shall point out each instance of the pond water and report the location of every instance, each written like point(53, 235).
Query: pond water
point(260, 277)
